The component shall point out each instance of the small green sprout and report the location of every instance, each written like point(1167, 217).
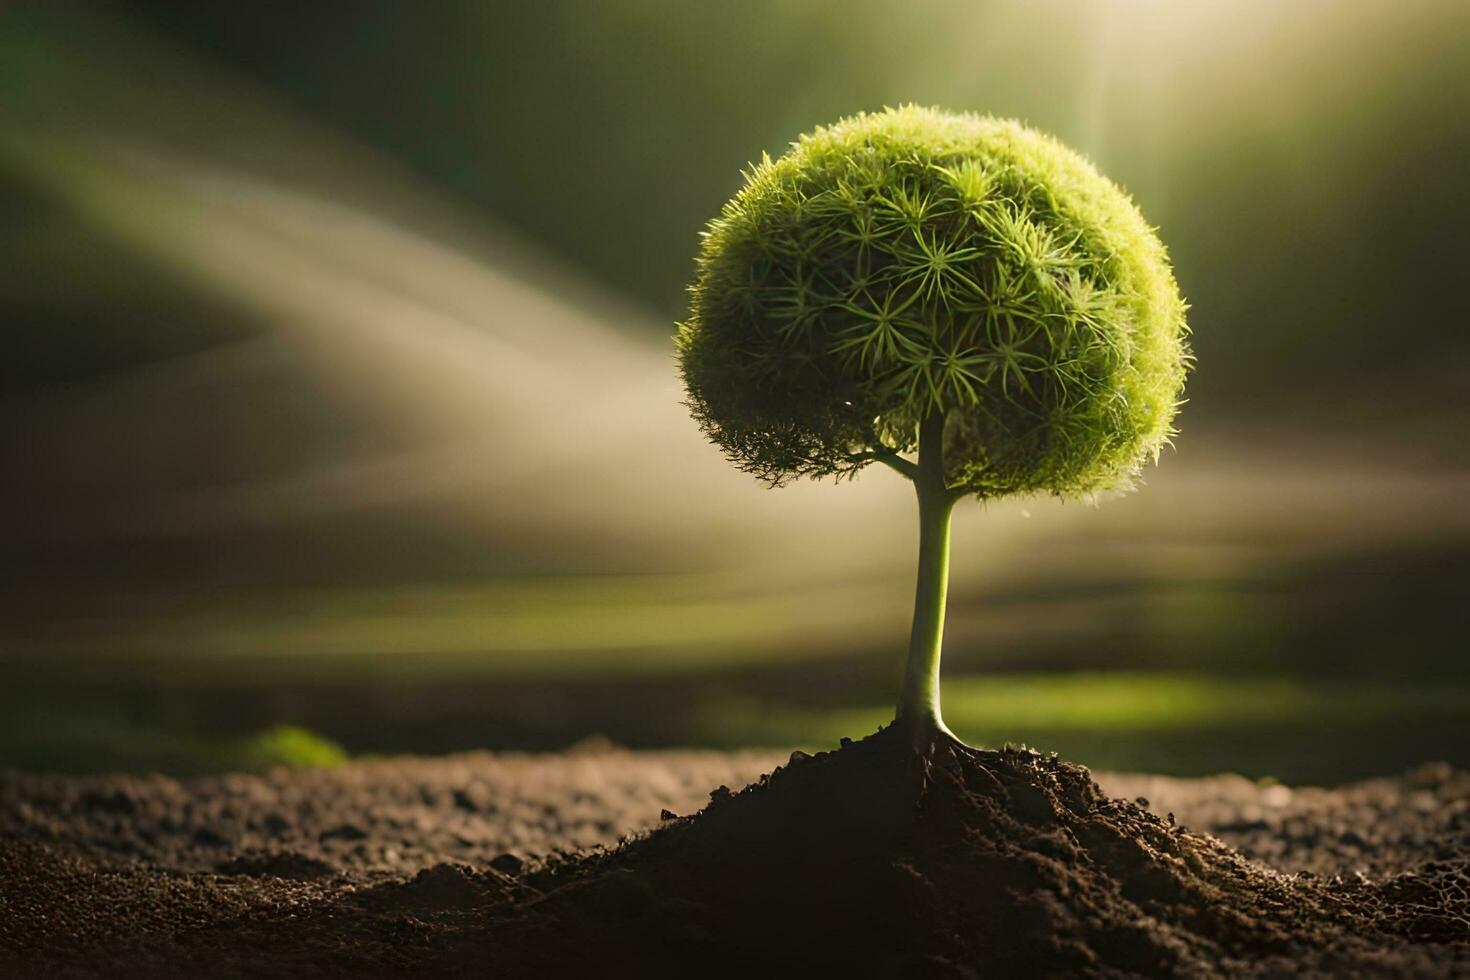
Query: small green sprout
point(958, 288)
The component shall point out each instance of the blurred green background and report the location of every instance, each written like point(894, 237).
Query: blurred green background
point(338, 410)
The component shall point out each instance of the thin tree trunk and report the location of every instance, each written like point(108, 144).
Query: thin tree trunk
point(918, 706)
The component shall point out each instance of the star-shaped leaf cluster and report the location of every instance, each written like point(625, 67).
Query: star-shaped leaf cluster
point(914, 262)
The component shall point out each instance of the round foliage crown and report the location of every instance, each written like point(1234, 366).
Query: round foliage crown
point(910, 263)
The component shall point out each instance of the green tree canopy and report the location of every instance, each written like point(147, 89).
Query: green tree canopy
point(915, 264)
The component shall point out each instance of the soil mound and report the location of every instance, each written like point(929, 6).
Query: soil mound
point(873, 861)
point(869, 861)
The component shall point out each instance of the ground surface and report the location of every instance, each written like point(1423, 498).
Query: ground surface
point(110, 873)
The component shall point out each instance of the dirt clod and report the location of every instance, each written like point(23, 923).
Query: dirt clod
point(285, 864)
point(508, 864)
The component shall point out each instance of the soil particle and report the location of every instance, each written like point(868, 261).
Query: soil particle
point(860, 862)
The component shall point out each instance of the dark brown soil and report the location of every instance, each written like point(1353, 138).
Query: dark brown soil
point(861, 862)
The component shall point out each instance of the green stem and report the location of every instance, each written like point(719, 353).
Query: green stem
point(918, 706)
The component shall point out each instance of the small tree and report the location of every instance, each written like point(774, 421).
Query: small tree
point(958, 288)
